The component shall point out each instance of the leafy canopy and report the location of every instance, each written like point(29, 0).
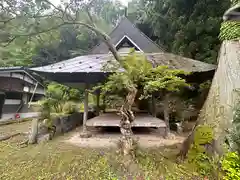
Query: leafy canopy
point(188, 28)
point(139, 73)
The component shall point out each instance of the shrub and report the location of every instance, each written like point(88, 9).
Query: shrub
point(231, 166)
point(69, 108)
point(198, 155)
point(233, 138)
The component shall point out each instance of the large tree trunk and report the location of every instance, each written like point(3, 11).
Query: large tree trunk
point(127, 117)
point(217, 111)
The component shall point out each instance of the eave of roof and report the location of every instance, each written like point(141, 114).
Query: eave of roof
point(19, 69)
point(96, 63)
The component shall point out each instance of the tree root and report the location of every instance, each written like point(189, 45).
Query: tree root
point(24, 143)
point(4, 138)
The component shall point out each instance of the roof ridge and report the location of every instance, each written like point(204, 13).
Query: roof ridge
point(135, 27)
point(146, 35)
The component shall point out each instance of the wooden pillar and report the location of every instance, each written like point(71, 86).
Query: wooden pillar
point(98, 102)
point(166, 114)
point(85, 133)
point(154, 113)
point(85, 114)
point(104, 103)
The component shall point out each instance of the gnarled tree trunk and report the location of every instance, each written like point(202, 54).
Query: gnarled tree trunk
point(127, 117)
point(217, 111)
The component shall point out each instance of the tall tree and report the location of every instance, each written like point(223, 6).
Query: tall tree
point(189, 28)
point(217, 111)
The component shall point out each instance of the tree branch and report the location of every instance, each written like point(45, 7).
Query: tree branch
point(9, 41)
point(91, 27)
point(88, 12)
point(105, 37)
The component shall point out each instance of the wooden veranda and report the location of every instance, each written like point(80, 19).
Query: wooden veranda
point(111, 119)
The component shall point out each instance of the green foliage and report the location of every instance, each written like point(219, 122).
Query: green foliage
point(198, 155)
point(36, 32)
point(140, 74)
point(234, 2)
point(234, 133)
point(230, 30)
point(231, 166)
point(203, 135)
point(162, 78)
point(186, 28)
point(58, 99)
point(160, 163)
point(204, 86)
point(69, 108)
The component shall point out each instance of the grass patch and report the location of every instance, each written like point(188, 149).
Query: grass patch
point(161, 163)
point(59, 160)
point(53, 160)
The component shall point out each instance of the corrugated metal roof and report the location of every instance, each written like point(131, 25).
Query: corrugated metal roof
point(96, 63)
point(89, 63)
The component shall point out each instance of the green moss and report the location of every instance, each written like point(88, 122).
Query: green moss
point(197, 155)
point(230, 30)
point(203, 135)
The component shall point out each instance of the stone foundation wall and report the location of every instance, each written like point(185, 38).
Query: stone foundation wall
point(65, 124)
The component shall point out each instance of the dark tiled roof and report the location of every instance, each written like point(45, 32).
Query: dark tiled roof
point(125, 27)
point(96, 63)
point(21, 69)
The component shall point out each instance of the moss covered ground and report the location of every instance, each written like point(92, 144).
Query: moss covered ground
point(59, 160)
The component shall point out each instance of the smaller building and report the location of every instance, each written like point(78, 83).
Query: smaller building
point(18, 88)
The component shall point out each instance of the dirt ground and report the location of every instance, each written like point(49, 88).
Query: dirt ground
point(109, 139)
point(103, 138)
point(21, 127)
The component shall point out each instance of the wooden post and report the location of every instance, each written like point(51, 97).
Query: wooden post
point(154, 113)
point(98, 102)
point(104, 104)
point(166, 114)
point(85, 133)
